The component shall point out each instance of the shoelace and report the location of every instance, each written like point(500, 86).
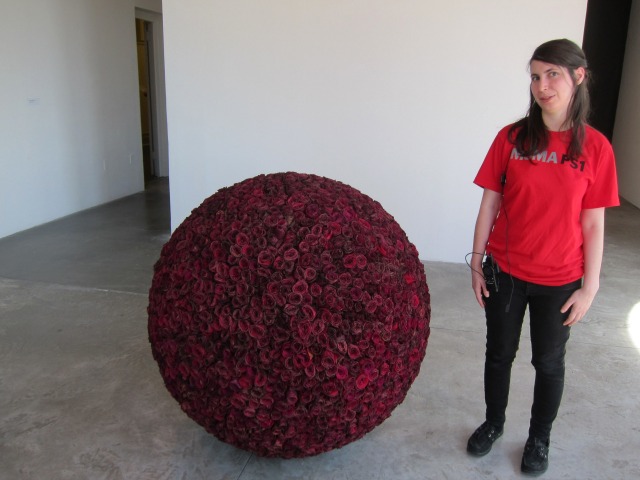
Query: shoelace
point(487, 429)
point(540, 450)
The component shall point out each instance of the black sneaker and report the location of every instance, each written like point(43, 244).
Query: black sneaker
point(535, 458)
point(480, 442)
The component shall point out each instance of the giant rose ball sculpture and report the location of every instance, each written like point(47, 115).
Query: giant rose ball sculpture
point(289, 314)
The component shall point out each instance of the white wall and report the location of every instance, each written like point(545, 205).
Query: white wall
point(70, 119)
point(626, 141)
point(400, 99)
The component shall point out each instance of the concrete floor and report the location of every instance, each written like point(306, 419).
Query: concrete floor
point(82, 398)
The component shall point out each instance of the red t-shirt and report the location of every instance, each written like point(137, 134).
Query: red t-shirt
point(537, 235)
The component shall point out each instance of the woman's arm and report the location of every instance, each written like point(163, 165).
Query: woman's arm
point(592, 221)
point(489, 207)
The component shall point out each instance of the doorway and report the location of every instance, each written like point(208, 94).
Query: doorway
point(604, 43)
point(144, 34)
point(153, 113)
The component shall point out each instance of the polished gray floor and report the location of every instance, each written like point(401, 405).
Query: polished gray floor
point(81, 397)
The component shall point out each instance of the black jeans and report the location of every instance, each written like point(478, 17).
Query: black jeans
point(505, 311)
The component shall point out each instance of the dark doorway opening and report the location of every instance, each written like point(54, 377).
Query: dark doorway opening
point(144, 37)
point(604, 43)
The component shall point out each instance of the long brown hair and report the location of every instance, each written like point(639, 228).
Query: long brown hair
point(529, 134)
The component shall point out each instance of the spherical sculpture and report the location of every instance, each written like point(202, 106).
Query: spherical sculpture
point(289, 314)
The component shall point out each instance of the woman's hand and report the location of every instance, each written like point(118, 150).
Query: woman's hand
point(579, 303)
point(479, 287)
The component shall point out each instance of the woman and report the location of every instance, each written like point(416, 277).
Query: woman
point(547, 179)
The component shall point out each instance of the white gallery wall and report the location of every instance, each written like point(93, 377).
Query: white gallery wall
point(626, 138)
point(400, 99)
point(70, 118)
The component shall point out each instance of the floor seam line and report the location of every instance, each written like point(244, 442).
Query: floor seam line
point(72, 287)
